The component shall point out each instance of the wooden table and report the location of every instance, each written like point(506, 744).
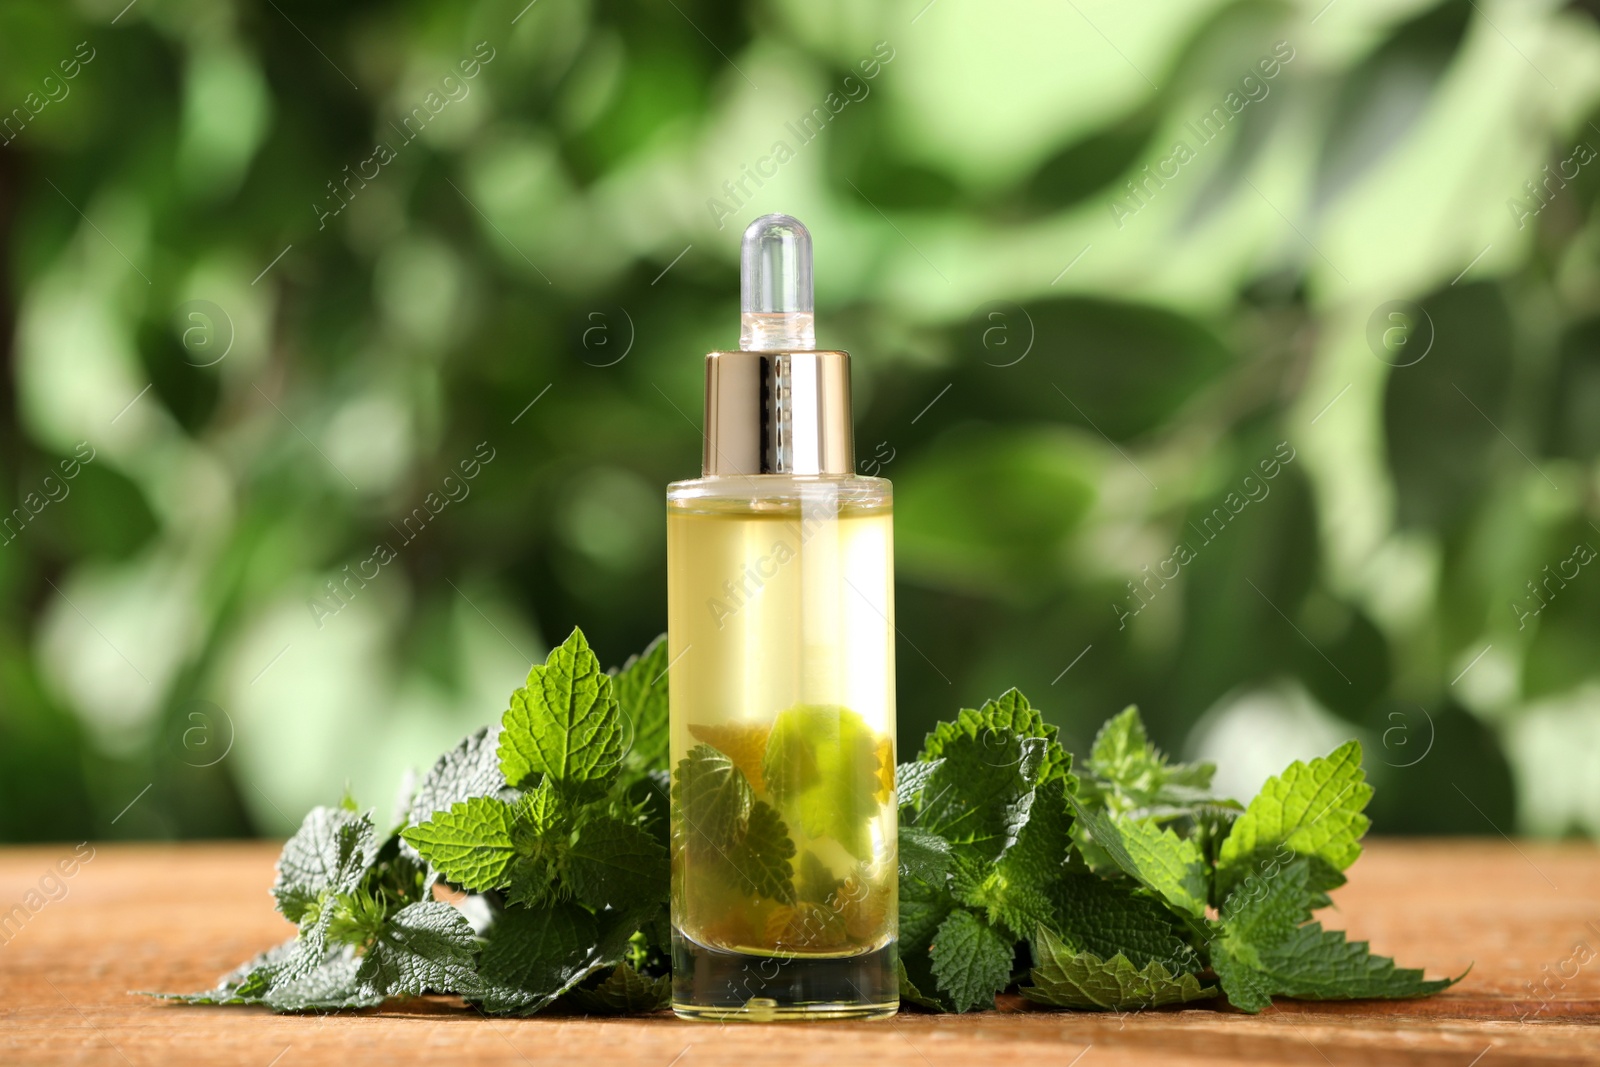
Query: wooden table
point(176, 916)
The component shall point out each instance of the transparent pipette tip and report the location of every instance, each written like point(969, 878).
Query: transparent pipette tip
point(775, 287)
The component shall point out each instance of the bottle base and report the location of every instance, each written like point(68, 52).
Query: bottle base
point(766, 1010)
point(716, 985)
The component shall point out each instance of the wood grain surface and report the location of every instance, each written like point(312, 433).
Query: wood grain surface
point(1525, 916)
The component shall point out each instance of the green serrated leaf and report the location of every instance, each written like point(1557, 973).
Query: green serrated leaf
point(1122, 752)
point(1154, 857)
point(533, 956)
point(1267, 949)
point(328, 856)
point(724, 827)
point(923, 855)
point(968, 873)
point(616, 863)
point(545, 809)
point(712, 800)
point(1105, 917)
point(978, 798)
point(814, 880)
point(471, 769)
point(426, 947)
point(1063, 978)
point(1314, 810)
point(909, 778)
point(1017, 890)
point(641, 691)
point(564, 723)
point(1094, 857)
point(473, 843)
point(329, 985)
point(1010, 712)
point(824, 766)
point(1130, 776)
point(763, 856)
point(1009, 907)
point(922, 908)
point(971, 961)
point(624, 991)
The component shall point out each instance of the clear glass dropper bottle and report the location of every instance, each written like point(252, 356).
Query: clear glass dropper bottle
point(781, 631)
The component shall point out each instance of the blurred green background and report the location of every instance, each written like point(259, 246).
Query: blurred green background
point(274, 271)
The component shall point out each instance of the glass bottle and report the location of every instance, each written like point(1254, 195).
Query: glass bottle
point(781, 632)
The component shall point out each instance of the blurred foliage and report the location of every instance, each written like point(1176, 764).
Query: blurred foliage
point(262, 344)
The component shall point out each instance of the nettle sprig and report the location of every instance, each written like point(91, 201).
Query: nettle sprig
point(553, 827)
point(1127, 887)
point(529, 868)
point(368, 929)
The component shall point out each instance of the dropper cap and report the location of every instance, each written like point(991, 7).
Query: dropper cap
point(775, 286)
point(777, 405)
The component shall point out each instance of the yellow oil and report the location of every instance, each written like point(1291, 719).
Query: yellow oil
point(782, 643)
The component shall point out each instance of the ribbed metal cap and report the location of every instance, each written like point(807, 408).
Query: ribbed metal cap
point(778, 413)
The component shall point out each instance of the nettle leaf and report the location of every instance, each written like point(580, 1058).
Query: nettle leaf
point(713, 800)
point(909, 778)
point(1130, 776)
point(979, 797)
point(1009, 713)
point(971, 960)
point(763, 856)
point(1106, 918)
point(328, 855)
point(328, 985)
point(472, 844)
point(535, 881)
point(624, 991)
point(813, 879)
point(827, 768)
point(1010, 907)
point(1018, 889)
point(424, 947)
point(533, 956)
point(564, 723)
point(743, 742)
point(616, 863)
point(1122, 754)
point(923, 855)
point(1063, 978)
point(471, 769)
point(1154, 857)
point(544, 810)
point(922, 908)
point(641, 691)
point(541, 833)
point(1314, 810)
point(725, 828)
point(1266, 949)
